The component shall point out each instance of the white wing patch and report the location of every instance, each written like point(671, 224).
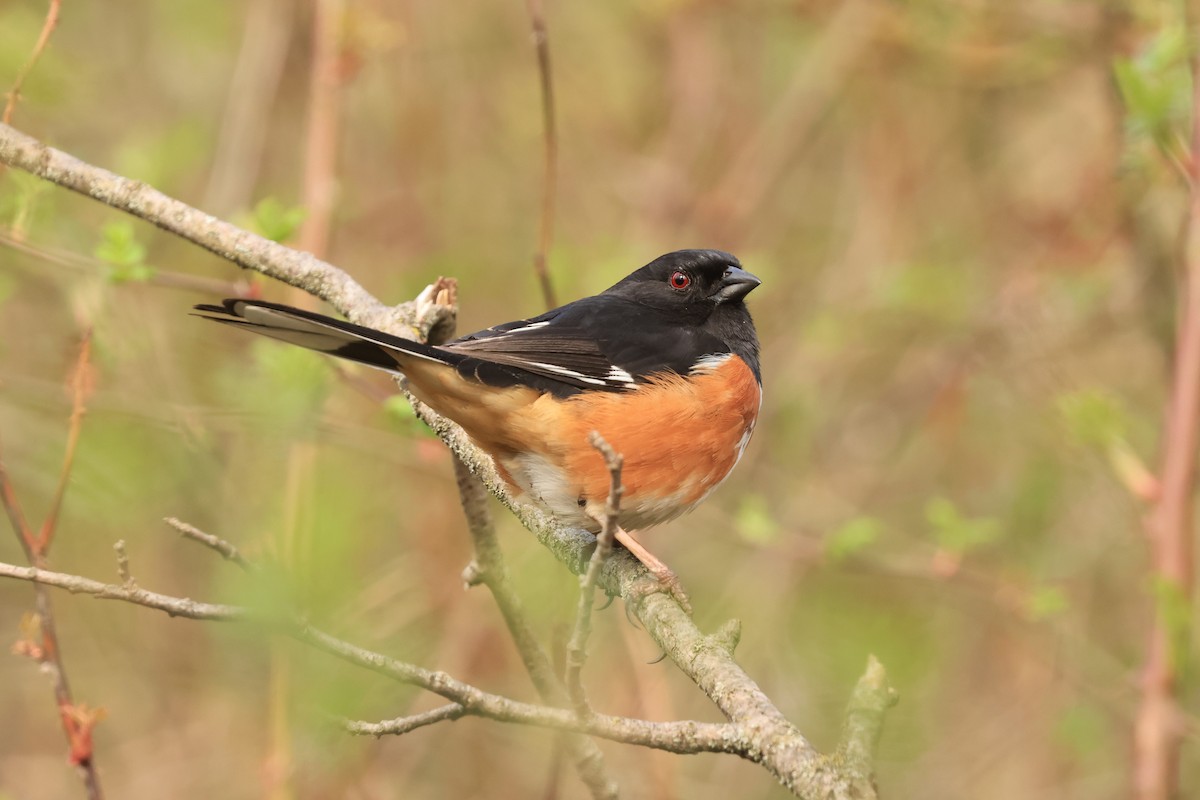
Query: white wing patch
point(618, 375)
point(709, 363)
point(529, 326)
point(579, 376)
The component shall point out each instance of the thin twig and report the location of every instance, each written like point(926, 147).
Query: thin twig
point(677, 737)
point(234, 244)
point(16, 517)
point(403, 725)
point(159, 277)
point(577, 646)
point(77, 721)
point(43, 39)
point(488, 567)
point(322, 129)
point(871, 699)
point(541, 43)
point(226, 550)
point(81, 387)
point(123, 571)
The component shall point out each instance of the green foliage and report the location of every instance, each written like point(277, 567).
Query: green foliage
point(1174, 611)
point(400, 414)
point(8, 285)
point(935, 291)
point(293, 382)
point(1156, 86)
point(754, 521)
point(120, 249)
point(1044, 602)
point(1081, 729)
point(20, 197)
point(275, 221)
point(852, 538)
point(1094, 417)
point(956, 533)
point(1035, 500)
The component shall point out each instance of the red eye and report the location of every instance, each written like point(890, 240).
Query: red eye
point(680, 280)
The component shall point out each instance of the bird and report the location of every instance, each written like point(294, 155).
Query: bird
point(664, 365)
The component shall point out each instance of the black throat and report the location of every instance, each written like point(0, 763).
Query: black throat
point(731, 323)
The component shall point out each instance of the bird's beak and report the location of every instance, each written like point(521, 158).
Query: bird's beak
point(735, 284)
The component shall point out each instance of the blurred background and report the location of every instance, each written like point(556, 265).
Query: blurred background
point(966, 216)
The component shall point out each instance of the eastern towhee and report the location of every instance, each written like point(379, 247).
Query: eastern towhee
point(664, 365)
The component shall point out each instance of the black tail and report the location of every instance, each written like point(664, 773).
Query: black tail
point(324, 334)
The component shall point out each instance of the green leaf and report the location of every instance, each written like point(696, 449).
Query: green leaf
point(124, 254)
point(1156, 87)
point(939, 292)
point(18, 201)
point(399, 409)
point(295, 381)
point(1094, 417)
point(275, 221)
point(956, 533)
point(853, 537)
point(1045, 602)
point(119, 245)
point(131, 273)
point(8, 285)
point(400, 413)
point(1081, 729)
point(754, 521)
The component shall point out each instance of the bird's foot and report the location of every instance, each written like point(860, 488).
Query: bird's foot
point(667, 582)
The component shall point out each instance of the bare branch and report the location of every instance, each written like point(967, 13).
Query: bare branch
point(81, 386)
point(1159, 729)
point(160, 277)
point(676, 737)
point(226, 550)
point(14, 94)
point(173, 606)
point(123, 565)
point(871, 699)
point(541, 43)
point(16, 517)
point(77, 721)
point(403, 725)
point(577, 646)
point(243, 248)
point(488, 567)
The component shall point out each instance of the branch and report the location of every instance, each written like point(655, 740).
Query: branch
point(1159, 729)
point(676, 737)
point(541, 43)
point(489, 568)
point(77, 720)
point(81, 385)
point(403, 725)
point(226, 550)
point(243, 248)
point(577, 646)
point(14, 94)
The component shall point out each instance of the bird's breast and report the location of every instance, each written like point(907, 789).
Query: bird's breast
point(680, 437)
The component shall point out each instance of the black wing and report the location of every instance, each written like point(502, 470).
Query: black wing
point(599, 343)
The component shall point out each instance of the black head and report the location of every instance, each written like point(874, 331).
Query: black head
point(690, 283)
